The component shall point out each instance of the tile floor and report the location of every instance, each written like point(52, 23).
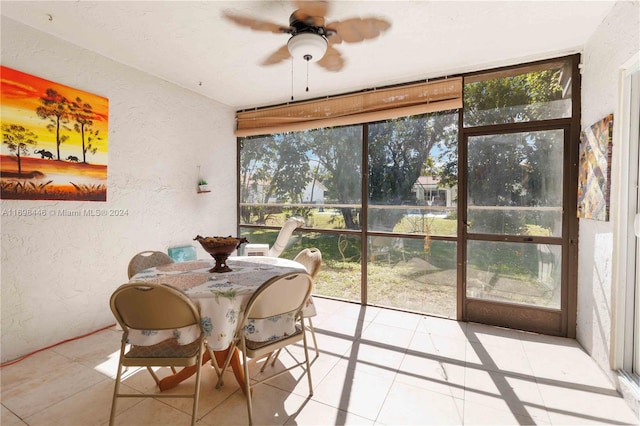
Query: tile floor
point(376, 367)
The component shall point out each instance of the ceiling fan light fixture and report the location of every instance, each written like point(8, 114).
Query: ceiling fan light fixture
point(307, 46)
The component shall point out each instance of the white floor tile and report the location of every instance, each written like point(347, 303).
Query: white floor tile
point(442, 327)
point(398, 319)
point(381, 361)
point(499, 357)
point(515, 394)
point(432, 375)
point(583, 404)
point(7, 418)
point(355, 391)
point(151, 412)
point(409, 405)
point(316, 413)
point(480, 414)
point(39, 393)
point(376, 367)
point(91, 407)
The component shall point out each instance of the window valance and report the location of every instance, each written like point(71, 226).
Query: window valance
point(361, 107)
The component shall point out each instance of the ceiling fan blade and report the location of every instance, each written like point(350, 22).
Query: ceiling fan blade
point(332, 60)
point(358, 29)
point(277, 56)
point(333, 37)
point(311, 12)
point(256, 24)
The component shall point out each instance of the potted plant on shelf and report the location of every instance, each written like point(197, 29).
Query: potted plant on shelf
point(203, 186)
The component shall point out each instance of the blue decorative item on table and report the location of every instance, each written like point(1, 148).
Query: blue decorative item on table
point(182, 253)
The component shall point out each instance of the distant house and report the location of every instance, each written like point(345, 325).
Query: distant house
point(314, 193)
point(255, 192)
point(428, 192)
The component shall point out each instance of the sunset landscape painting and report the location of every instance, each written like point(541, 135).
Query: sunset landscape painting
point(54, 140)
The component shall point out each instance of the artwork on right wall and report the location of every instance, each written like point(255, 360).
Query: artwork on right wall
point(594, 179)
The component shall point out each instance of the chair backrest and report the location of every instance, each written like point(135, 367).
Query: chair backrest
point(147, 259)
point(150, 306)
point(283, 236)
point(280, 295)
point(311, 258)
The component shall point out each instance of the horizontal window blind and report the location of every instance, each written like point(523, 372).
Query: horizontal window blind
point(361, 107)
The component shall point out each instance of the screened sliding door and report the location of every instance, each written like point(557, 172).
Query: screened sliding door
point(514, 229)
point(518, 163)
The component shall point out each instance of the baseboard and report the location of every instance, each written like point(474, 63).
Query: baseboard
point(629, 387)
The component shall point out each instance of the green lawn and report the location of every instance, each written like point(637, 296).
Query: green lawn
point(413, 275)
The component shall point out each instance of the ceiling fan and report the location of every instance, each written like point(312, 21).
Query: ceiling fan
point(311, 39)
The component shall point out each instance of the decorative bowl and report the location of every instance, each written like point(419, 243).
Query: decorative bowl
point(220, 248)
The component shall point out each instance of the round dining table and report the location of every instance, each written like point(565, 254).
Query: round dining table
point(220, 298)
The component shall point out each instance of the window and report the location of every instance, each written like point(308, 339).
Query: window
point(410, 203)
point(522, 94)
point(417, 213)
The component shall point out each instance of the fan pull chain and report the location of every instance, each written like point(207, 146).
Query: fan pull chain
point(292, 78)
point(307, 58)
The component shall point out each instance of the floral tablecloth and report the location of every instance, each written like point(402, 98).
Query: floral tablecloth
point(221, 298)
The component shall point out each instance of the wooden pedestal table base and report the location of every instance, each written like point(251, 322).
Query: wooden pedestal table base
point(221, 356)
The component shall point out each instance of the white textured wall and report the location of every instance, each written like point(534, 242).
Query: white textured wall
point(58, 272)
point(614, 43)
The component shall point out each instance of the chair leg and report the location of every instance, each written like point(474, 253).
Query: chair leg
point(214, 363)
point(275, 357)
point(116, 388)
point(232, 348)
point(313, 335)
point(247, 385)
point(112, 416)
point(266, 361)
point(306, 359)
point(153, 374)
point(196, 394)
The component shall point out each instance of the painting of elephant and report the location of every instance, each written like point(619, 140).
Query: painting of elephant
point(44, 154)
point(35, 133)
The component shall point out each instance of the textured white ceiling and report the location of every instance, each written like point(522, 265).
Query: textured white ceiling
point(189, 44)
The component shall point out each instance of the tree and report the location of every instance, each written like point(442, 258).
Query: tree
point(339, 154)
point(291, 171)
point(55, 109)
point(273, 166)
point(523, 97)
point(92, 136)
point(495, 175)
point(18, 139)
point(512, 169)
point(82, 113)
point(399, 151)
point(256, 155)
